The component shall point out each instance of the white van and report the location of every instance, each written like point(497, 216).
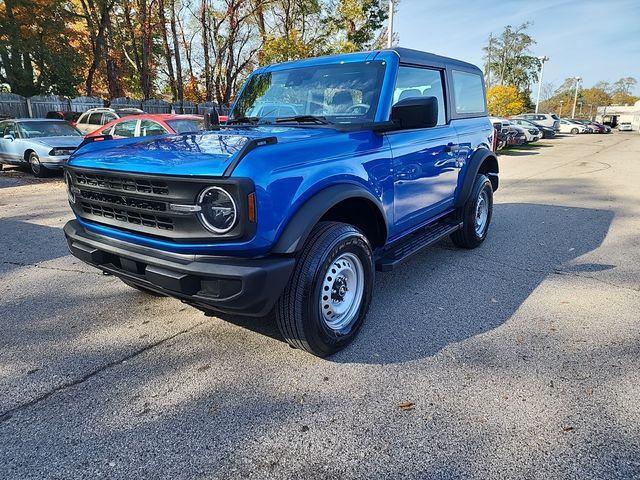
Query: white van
point(93, 119)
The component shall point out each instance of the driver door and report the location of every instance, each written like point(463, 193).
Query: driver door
point(425, 160)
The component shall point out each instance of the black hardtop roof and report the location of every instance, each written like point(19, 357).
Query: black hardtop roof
point(416, 57)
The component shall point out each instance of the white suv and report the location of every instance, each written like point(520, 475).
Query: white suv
point(93, 119)
point(550, 120)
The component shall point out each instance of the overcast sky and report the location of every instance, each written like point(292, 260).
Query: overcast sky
point(593, 39)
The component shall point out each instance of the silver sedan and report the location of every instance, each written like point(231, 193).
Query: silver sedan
point(43, 145)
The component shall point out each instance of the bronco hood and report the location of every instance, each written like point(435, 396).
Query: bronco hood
point(197, 154)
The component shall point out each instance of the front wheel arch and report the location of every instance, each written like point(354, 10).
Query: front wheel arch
point(323, 206)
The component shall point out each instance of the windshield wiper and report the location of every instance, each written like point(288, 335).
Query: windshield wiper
point(304, 119)
point(243, 119)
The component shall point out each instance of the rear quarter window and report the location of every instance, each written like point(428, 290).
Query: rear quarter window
point(468, 93)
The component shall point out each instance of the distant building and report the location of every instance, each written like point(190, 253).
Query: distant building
point(615, 114)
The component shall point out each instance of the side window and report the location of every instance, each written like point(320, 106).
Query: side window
point(107, 131)
point(95, 119)
point(108, 117)
point(468, 93)
point(149, 128)
point(421, 82)
point(125, 129)
point(10, 129)
point(83, 118)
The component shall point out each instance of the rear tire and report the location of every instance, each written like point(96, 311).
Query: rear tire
point(475, 215)
point(574, 131)
point(327, 298)
point(36, 166)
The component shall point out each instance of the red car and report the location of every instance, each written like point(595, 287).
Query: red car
point(148, 124)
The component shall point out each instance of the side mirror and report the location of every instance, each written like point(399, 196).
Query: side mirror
point(9, 137)
point(211, 119)
point(417, 112)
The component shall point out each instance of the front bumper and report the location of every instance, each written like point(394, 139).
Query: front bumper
point(229, 285)
point(53, 163)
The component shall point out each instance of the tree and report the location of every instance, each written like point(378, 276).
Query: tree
point(508, 58)
point(33, 59)
point(621, 91)
point(504, 100)
point(97, 18)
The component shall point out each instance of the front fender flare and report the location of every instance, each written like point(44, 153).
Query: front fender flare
point(477, 159)
point(310, 213)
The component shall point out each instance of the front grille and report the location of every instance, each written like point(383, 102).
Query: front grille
point(127, 216)
point(124, 184)
point(140, 203)
point(124, 201)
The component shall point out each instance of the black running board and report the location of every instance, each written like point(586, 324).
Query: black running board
point(415, 243)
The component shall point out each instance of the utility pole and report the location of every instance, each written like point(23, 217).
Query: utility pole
point(575, 98)
point(542, 60)
point(489, 59)
point(390, 32)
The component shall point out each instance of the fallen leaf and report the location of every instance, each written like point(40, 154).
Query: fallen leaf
point(567, 429)
point(589, 391)
point(493, 300)
point(406, 406)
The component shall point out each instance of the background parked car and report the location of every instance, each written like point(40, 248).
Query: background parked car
point(71, 117)
point(567, 126)
point(591, 128)
point(594, 126)
point(516, 135)
point(42, 144)
point(146, 125)
point(546, 132)
point(93, 119)
point(534, 132)
point(550, 120)
point(624, 126)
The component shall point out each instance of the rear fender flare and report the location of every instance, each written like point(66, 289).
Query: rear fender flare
point(477, 159)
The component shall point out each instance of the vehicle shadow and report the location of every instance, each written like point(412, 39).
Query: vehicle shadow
point(446, 295)
point(23, 243)
point(11, 176)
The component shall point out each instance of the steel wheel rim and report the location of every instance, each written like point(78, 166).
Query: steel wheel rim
point(342, 291)
point(482, 212)
point(35, 163)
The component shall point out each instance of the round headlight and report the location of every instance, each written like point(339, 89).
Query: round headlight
point(218, 210)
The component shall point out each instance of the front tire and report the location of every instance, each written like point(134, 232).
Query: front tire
point(475, 215)
point(574, 131)
point(327, 298)
point(36, 166)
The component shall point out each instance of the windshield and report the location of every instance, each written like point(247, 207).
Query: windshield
point(341, 93)
point(48, 129)
point(185, 125)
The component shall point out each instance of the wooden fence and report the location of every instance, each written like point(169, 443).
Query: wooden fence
point(17, 106)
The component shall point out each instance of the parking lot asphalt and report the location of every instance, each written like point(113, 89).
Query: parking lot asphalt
point(520, 359)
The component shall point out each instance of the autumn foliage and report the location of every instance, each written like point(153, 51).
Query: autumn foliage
point(504, 100)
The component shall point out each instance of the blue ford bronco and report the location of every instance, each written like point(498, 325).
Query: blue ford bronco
point(328, 169)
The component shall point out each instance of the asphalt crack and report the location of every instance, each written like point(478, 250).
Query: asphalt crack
point(58, 269)
point(7, 414)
